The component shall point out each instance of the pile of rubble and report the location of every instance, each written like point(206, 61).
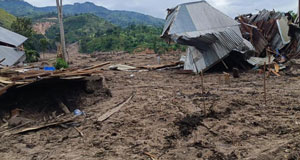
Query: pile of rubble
point(272, 32)
point(16, 78)
point(34, 98)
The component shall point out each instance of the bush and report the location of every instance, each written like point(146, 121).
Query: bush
point(60, 64)
point(31, 56)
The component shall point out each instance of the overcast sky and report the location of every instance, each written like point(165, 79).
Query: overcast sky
point(157, 8)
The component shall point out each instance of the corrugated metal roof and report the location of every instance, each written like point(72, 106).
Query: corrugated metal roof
point(283, 30)
point(198, 16)
point(201, 60)
point(12, 38)
point(265, 15)
point(210, 34)
point(11, 56)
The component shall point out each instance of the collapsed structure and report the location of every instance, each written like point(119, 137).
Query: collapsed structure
point(211, 36)
point(10, 48)
point(272, 32)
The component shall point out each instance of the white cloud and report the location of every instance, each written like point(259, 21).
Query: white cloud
point(158, 8)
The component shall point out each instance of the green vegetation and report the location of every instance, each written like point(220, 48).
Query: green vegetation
point(293, 14)
point(60, 64)
point(35, 42)
point(96, 34)
point(6, 19)
point(130, 39)
point(17, 7)
point(76, 27)
point(43, 17)
point(31, 56)
point(92, 33)
point(23, 26)
point(119, 18)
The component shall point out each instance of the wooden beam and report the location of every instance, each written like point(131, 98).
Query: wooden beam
point(63, 107)
point(106, 115)
point(44, 126)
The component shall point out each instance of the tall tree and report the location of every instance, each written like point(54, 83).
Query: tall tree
point(62, 33)
point(23, 26)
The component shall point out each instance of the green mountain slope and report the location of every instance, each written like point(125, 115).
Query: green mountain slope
point(6, 19)
point(135, 38)
point(96, 34)
point(119, 18)
point(17, 7)
point(76, 27)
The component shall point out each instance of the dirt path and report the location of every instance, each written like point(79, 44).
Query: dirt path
point(165, 118)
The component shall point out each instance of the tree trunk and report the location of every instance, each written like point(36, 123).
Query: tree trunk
point(62, 33)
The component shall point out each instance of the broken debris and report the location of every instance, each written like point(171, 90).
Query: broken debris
point(211, 36)
point(12, 78)
point(121, 67)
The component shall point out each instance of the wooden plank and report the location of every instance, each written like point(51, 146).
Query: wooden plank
point(21, 77)
point(79, 131)
point(73, 77)
point(276, 67)
point(5, 80)
point(277, 74)
point(44, 126)
point(96, 66)
point(76, 73)
point(6, 71)
point(63, 107)
point(155, 67)
point(151, 156)
point(106, 115)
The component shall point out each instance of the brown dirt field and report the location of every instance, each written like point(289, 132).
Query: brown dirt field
point(165, 118)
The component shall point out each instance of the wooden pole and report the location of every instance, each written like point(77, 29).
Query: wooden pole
point(225, 65)
point(62, 32)
point(202, 85)
point(299, 12)
point(265, 90)
point(269, 59)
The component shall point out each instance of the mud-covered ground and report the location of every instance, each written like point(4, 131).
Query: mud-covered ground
point(166, 118)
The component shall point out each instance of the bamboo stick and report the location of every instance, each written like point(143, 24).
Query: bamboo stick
point(265, 90)
point(202, 85)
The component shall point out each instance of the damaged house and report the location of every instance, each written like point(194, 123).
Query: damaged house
point(210, 34)
point(273, 32)
point(10, 48)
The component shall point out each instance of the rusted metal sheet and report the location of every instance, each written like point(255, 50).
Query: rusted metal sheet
point(271, 31)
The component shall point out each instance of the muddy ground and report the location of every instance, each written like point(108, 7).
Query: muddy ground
point(166, 118)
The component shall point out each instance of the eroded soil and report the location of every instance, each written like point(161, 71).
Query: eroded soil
point(166, 118)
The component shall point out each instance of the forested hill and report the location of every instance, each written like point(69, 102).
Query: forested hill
point(79, 26)
point(96, 34)
point(6, 19)
point(119, 18)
